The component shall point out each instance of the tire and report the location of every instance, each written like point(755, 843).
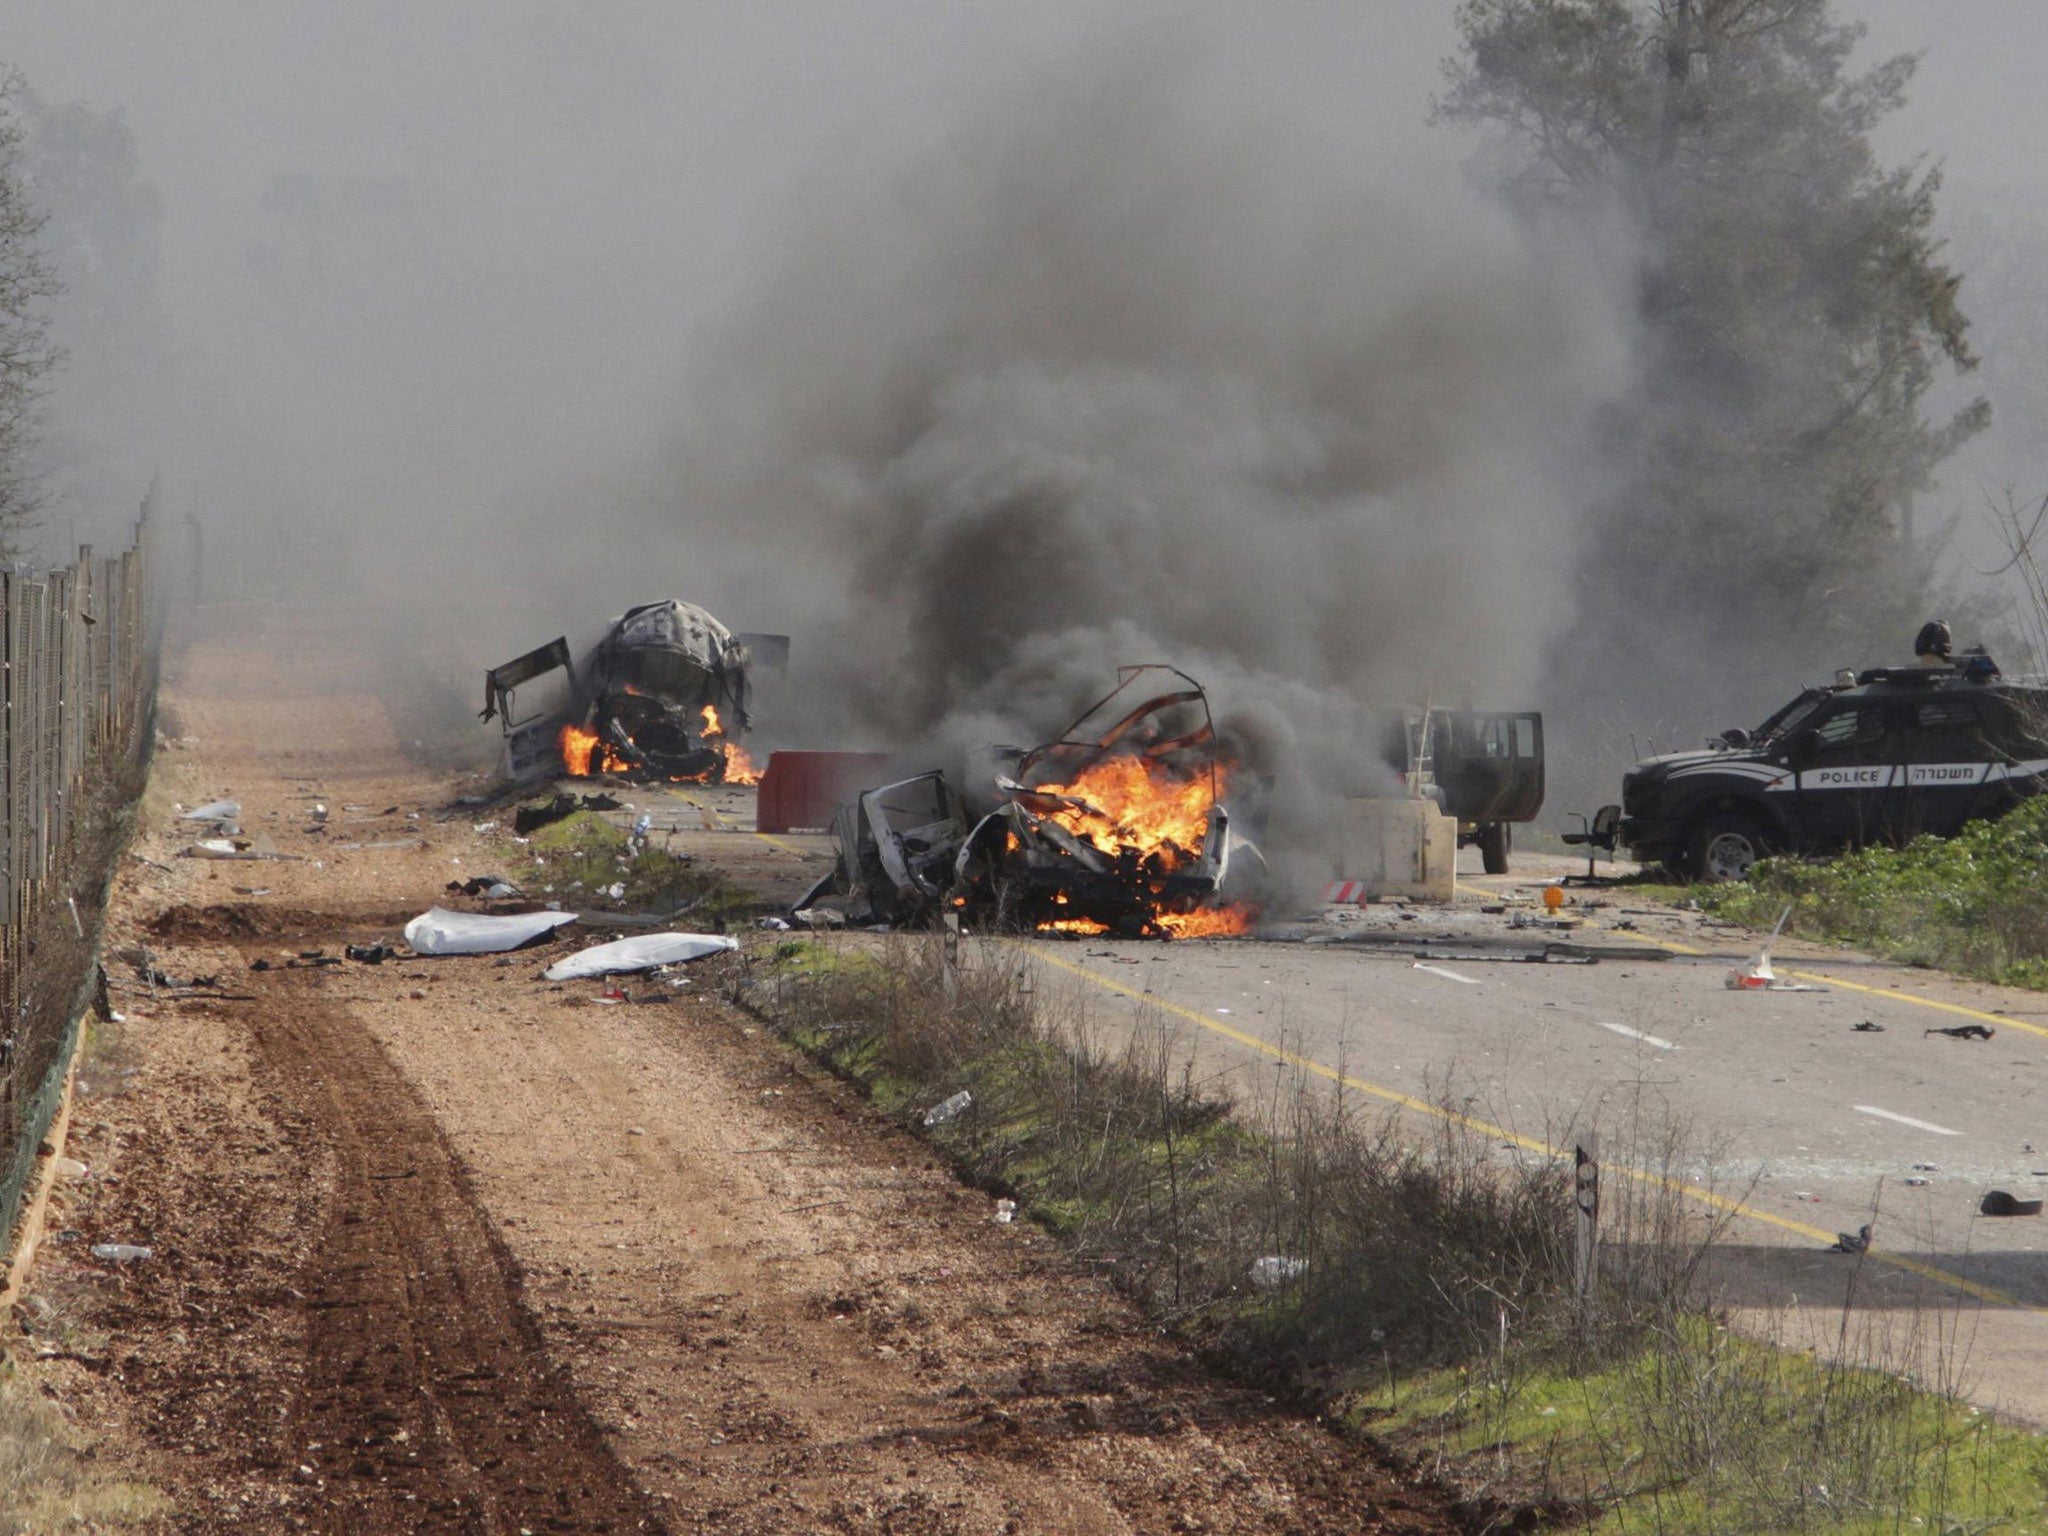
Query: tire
point(1725, 848)
point(1495, 839)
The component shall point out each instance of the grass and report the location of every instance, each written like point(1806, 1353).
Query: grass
point(1700, 1429)
point(1414, 1279)
point(49, 1483)
point(580, 859)
point(1975, 903)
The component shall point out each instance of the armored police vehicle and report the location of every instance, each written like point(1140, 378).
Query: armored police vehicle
point(1879, 757)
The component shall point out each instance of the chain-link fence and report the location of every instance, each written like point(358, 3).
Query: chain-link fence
point(77, 687)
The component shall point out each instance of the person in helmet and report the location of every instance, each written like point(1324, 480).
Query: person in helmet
point(1934, 644)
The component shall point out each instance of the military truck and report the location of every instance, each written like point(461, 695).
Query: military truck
point(1485, 768)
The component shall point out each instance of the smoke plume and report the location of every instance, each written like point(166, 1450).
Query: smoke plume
point(1117, 381)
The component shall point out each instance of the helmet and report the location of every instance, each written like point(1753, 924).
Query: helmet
point(1934, 639)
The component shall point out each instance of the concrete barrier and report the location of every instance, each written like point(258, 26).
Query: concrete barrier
point(1399, 848)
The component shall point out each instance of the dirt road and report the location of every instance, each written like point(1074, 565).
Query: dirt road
point(439, 1246)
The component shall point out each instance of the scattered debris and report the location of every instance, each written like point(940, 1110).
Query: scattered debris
point(122, 1253)
point(438, 931)
point(644, 952)
point(531, 818)
point(1999, 1203)
point(491, 887)
point(1006, 1211)
point(949, 1109)
point(1867, 1027)
point(1963, 1031)
point(1273, 1271)
point(233, 847)
point(371, 954)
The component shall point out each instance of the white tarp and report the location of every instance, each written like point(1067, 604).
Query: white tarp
point(214, 810)
point(642, 953)
point(437, 931)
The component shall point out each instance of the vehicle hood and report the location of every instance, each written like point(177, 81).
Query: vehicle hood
point(1666, 763)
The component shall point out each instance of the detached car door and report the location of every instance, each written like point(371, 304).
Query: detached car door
point(1846, 771)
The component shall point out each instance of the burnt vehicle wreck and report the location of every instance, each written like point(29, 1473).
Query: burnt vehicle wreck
point(1117, 826)
point(665, 695)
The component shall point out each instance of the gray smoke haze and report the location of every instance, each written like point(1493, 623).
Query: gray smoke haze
point(979, 350)
point(1121, 381)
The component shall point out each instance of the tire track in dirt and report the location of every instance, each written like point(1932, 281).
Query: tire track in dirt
point(427, 1388)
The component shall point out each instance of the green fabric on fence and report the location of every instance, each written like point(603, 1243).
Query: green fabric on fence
point(37, 1109)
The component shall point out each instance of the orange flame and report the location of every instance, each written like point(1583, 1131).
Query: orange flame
point(1209, 922)
point(739, 766)
point(584, 753)
point(1131, 803)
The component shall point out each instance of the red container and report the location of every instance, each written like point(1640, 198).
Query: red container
point(801, 790)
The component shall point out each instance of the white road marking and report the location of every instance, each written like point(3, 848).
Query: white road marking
point(1637, 1034)
point(1918, 1125)
point(1437, 970)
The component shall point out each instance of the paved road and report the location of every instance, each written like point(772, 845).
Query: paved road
point(1797, 1119)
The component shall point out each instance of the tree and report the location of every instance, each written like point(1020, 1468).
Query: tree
point(26, 287)
point(1793, 314)
point(101, 423)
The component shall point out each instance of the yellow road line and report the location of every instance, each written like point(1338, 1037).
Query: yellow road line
point(1643, 1176)
point(1857, 986)
point(718, 825)
point(1923, 1002)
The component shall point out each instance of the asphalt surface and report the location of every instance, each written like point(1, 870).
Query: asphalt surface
point(1787, 1120)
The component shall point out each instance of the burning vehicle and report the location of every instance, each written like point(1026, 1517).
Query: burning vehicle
point(1118, 826)
point(663, 696)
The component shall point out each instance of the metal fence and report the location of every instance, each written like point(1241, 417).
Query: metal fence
point(76, 694)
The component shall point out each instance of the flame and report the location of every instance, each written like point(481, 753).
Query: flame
point(1162, 813)
point(584, 753)
point(739, 766)
point(1082, 925)
point(1209, 922)
point(1131, 803)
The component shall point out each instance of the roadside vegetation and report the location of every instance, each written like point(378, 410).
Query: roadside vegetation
point(1411, 1276)
point(48, 1482)
point(1975, 903)
point(585, 861)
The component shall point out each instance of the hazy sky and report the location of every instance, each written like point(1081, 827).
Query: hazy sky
point(453, 262)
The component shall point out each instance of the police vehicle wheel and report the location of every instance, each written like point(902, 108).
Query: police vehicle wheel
point(1495, 839)
point(1726, 848)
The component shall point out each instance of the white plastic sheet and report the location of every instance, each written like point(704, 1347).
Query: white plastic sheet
point(214, 810)
point(437, 931)
point(640, 953)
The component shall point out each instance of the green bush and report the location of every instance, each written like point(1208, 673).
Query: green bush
point(1976, 902)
